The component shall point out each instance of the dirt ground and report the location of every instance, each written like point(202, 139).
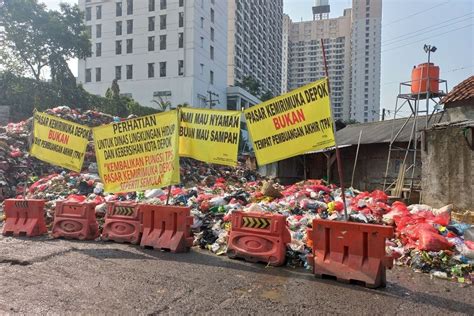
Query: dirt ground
point(42, 275)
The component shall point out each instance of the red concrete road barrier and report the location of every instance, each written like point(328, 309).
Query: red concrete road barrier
point(350, 251)
point(258, 237)
point(24, 218)
point(166, 228)
point(123, 222)
point(75, 220)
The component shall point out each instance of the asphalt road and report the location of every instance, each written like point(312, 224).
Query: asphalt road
point(39, 276)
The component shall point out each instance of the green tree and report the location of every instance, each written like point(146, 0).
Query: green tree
point(266, 96)
point(39, 38)
point(250, 84)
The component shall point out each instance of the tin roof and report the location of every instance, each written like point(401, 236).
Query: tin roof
point(381, 131)
point(461, 92)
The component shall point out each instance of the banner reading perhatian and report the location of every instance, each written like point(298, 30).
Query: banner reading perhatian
point(291, 124)
point(210, 135)
point(138, 154)
point(59, 142)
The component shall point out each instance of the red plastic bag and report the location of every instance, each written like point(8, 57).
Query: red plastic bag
point(379, 196)
point(469, 244)
point(431, 241)
point(443, 219)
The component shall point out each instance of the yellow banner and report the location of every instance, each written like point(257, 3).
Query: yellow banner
point(59, 142)
point(210, 135)
point(291, 124)
point(138, 154)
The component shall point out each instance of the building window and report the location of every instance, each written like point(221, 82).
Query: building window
point(151, 43)
point(212, 34)
point(212, 52)
point(98, 49)
point(129, 71)
point(202, 69)
point(202, 22)
point(98, 30)
point(211, 77)
point(162, 4)
point(151, 5)
point(88, 75)
point(89, 30)
point(212, 15)
point(88, 13)
point(98, 74)
point(163, 69)
point(202, 42)
point(118, 28)
point(129, 46)
point(129, 7)
point(151, 23)
point(181, 3)
point(118, 47)
point(151, 70)
point(180, 67)
point(367, 2)
point(180, 40)
point(129, 26)
point(181, 19)
point(98, 12)
point(162, 42)
point(118, 9)
point(163, 22)
point(118, 72)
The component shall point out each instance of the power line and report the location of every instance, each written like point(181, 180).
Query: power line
point(427, 38)
point(416, 13)
point(416, 35)
point(461, 68)
point(437, 26)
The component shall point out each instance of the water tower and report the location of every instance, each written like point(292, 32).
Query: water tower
point(321, 10)
point(420, 97)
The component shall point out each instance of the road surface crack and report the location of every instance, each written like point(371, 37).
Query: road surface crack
point(14, 262)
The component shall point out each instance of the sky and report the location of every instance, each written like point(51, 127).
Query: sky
point(406, 26)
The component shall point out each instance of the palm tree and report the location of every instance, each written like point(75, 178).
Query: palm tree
point(163, 105)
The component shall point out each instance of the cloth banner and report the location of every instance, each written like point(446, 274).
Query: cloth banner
point(138, 154)
point(59, 142)
point(210, 135)
point(292, 124)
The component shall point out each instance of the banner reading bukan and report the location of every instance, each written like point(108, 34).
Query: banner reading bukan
point(210, 135)
point(59, 142)
point(291, 124)
point(138, 154)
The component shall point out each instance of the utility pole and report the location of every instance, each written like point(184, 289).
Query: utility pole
point(212, 94)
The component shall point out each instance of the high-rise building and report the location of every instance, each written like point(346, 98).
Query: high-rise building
point(365, 59)
point(170, 50)
point(255, 41)
point(352, 46)
point(284, 53)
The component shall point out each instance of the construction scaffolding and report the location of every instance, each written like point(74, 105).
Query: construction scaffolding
point(422, 106)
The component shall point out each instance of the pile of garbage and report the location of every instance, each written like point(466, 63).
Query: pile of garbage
point(427, 239)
